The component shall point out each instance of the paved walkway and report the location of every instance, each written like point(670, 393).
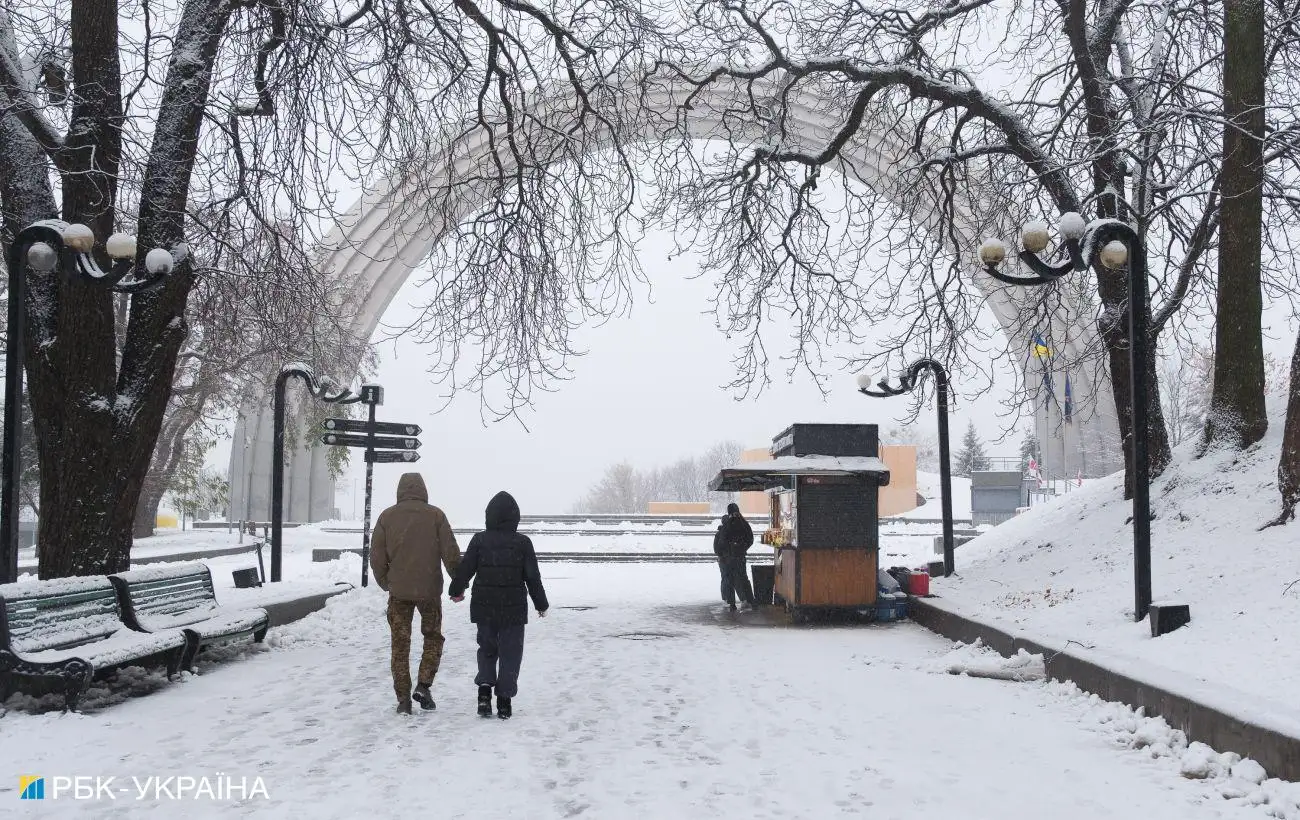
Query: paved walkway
point(640, 698)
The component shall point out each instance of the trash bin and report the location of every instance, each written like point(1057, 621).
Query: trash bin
point(764, 580)
point(246, 578)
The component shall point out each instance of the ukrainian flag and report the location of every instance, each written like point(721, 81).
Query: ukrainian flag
point(1040, 348)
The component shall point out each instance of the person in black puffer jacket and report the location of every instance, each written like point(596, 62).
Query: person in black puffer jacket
point(730, 543)
point(503, 565)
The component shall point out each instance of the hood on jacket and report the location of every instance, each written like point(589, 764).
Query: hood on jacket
point(503, 512)
point(410, 487)
point(733, 509)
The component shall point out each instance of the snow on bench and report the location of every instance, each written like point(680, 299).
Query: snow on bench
point(181, 596)
point(67, 631)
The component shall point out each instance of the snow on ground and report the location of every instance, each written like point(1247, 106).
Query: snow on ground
point(928, 484)
point(1065, 570)
point(640, 697)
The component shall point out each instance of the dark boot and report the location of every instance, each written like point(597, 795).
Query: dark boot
point(404, 707)
point(424, 697)
point(485, 701)
point(503, 708)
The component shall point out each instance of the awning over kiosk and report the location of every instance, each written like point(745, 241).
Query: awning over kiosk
point(765, 475)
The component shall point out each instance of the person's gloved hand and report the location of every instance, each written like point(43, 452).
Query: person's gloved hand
point(458, 598)
point(541, 613)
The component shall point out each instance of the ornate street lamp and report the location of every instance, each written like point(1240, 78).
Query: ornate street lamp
point(907, 382)
point(1114, 244)
point(320, 389)
point(48, 246)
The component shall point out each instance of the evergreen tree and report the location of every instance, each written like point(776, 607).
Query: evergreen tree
point(971, 458)
point(1028, 450)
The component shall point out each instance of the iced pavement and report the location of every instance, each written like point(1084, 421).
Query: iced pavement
point(652, 703)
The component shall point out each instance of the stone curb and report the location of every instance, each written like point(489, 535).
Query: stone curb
point(280, 613)
point(1277, 752)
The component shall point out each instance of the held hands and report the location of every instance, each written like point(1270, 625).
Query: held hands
point(458, 598)
point(541, 613)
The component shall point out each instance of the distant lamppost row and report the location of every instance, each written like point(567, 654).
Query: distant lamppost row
point(908, 381)
point(319, 389)
point(46, 246)
point(1114, 244)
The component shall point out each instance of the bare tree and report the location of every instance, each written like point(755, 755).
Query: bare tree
point(625, 489)
point(263, 107)
point(1237, 416)
point(241, 329)
point(926, 444)
point(1108, 112)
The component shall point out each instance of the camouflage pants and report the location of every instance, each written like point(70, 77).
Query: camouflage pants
point(400, 615)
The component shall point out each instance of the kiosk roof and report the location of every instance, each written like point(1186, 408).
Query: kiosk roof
point(764, 475)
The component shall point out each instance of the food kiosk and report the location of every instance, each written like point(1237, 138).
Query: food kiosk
point(823, 525)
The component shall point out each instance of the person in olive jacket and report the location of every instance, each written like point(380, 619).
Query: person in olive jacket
point(412, 542)
point(503, 565)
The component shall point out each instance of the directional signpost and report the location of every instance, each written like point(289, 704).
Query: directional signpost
point(385, 442)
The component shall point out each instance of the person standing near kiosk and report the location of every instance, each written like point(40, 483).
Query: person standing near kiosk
point(731, 543)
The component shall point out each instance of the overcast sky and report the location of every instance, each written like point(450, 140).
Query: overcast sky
point(650, 390)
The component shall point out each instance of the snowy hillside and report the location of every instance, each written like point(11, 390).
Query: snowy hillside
point(1065, 569)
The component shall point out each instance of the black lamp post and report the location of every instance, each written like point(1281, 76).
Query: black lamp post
point(320, 389)
point(45, 247)
point(1114, 244)
point(908, 381)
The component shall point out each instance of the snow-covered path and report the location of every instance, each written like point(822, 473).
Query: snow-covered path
point(651, 704)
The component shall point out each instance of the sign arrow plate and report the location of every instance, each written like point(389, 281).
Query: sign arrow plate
point(380, 442)
point(392, 457)
point(380, 428)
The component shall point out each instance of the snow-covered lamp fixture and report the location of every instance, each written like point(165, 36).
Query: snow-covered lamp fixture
point(1115, 245)
point(1072, 225)
point(79, 238)
point(1033, 237)
point(120, 246)
point(1114, 254)
point(159, 262)
point(992, 252)
point(42, 257)
point(864, 381)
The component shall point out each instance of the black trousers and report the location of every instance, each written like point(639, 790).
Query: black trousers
point(500, 653)
point(735, 579)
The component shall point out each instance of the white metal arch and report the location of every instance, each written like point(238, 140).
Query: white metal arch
point(391, 230)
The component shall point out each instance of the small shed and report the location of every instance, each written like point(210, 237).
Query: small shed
point(823, 522)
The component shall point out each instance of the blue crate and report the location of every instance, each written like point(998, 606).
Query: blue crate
point(891, 609)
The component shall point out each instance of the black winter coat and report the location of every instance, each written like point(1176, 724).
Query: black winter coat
point(503, 565)
point(737, 535)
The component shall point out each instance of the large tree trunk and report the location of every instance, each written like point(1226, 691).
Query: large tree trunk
point(1237, 416)
point(1113, 327)
point(1288, 468)
point(1109, 176)
point(97, 420)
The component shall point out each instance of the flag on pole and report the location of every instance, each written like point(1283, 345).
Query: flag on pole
point(1033, 472)
point(1068, 410)
point(1040, 348)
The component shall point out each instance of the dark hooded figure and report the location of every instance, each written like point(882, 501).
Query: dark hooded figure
point(730, 543)
point(503, 565)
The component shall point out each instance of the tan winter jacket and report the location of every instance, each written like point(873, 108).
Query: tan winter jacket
point(411, 538)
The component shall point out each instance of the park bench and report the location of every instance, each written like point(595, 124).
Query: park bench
point(66, 632)
point(180, 596)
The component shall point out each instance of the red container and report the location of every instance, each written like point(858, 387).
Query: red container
point(918, 583)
